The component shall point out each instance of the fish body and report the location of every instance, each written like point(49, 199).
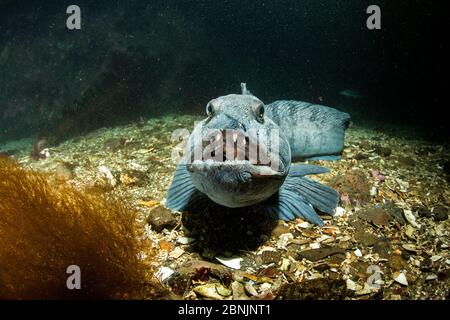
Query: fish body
point(350, 93)
point(241, 154)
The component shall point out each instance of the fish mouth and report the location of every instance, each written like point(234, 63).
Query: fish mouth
point(234, 150)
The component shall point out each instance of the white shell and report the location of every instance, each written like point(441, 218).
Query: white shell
point(233, 263)
point(163, 273)
point(400, 278)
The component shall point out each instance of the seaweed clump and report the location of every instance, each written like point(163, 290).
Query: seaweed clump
point(46, 228)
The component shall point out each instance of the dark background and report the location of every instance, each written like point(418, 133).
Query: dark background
point(139, 59)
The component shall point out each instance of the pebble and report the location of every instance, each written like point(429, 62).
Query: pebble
point(213, 291)
point(161, 218)
point(250, 289)
point(440, 213)
point(238, 291)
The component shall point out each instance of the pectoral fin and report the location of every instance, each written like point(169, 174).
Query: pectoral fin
point(298, 196)
point(182, 193)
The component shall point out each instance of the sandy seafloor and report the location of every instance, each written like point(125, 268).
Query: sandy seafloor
point(388, 240)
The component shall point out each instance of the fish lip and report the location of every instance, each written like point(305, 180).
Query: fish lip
point(257, 171)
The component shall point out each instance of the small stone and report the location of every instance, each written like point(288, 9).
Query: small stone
point(426, 265)
point(383, 248)
point(213, 291)
point(377, 216)
point(440, 213)
point(407, 161)
point(383, 151)
point(397, 214)
point(280, 229)
point(250, 289)
point(161, 218)
point(365, 144)
point(365, 238)
point(422, 211)
point(396, 262)
point(318, 254)
point(268, 257)
point(238, 291)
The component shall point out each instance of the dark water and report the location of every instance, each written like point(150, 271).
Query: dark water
point(138, 59)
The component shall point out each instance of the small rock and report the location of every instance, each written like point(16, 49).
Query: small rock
point(407, 161)
point(426, 264)
point(161, 218)
point(213, 291)
point(238, 291)
point(440, 213)
point(365, 238)
point(383, 151)
point(268, 257)
point(250, 289)
point(316, 289)
point(280, 229)
point(365, 144)
point(422, 211)
point(396, 262)
point(377, 216)
point(383, 248)
point(397, 214)
point(361, 156)
point(318, 254)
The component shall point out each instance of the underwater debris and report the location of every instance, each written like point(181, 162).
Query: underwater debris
point(40, 150)
point(161, 218)
point(45, 228)
point(316, 289)
point(354, 185)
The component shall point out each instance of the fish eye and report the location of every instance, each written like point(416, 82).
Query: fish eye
point(260, 112)
point(210, 109)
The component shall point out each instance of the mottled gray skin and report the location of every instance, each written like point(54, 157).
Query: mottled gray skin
point(231, 183)
point(312, 131)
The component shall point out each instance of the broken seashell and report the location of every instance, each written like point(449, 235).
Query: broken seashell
point(213, 291)
point(233, 263)
point(400, 277)
point(411, 218)
point(164, 273)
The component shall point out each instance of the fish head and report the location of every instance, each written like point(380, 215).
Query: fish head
point(237, 156)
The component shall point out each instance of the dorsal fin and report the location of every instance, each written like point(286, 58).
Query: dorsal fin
point(244, 89)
